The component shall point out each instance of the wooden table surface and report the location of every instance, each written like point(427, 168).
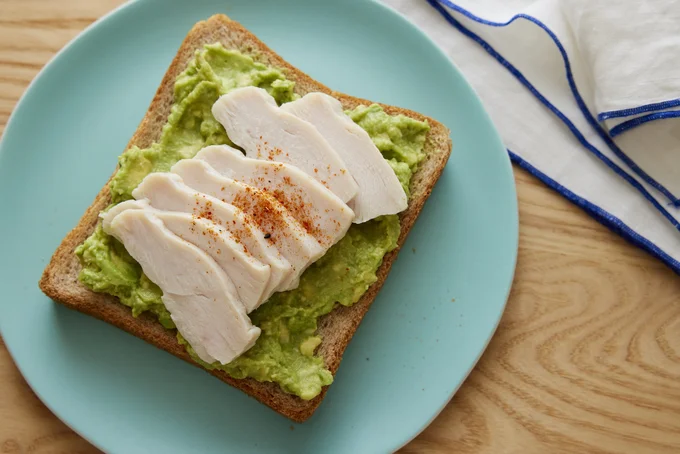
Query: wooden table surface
point(586, 358)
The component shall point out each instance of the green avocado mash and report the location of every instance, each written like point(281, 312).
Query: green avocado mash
point(284, 352)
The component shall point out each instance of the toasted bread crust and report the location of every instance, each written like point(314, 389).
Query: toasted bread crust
point(60, 278)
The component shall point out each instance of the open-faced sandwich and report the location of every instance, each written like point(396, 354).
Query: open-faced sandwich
point(252, 219)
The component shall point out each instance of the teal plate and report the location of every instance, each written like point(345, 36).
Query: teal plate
point(427, 328)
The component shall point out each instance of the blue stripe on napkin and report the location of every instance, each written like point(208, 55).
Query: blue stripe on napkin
point(603, 217)
point(602, 116)
point(637, 121)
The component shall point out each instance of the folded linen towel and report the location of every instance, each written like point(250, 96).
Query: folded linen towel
point(571, 86)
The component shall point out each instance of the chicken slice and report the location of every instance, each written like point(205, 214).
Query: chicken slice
point(254, 121)
point(166, 191)
point(280, 227)
point(380, 191)
point(249, 275)
point(317, 209)
point(195, 289)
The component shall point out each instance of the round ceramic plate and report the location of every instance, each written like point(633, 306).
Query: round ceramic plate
point(427, 328)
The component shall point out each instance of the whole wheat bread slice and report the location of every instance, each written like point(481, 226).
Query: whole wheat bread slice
point(60, 278)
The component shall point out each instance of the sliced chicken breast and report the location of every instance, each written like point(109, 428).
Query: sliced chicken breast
point(249, 275)
point(380, 191)
point(195, 289)
point(317, 209)
point(254, 121)
point(166, 191)
point(245, 272)
point(297, 246)
point(109, 215)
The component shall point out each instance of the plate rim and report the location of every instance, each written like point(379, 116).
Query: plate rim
point(515, 211)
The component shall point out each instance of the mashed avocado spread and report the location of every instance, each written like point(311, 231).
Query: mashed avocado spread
point(284, 352)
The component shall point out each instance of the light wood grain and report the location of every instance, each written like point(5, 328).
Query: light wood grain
point(586, 359)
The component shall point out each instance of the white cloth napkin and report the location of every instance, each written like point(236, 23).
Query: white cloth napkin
point(559, 78)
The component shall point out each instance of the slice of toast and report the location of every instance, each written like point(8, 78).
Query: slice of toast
point(60, 278)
